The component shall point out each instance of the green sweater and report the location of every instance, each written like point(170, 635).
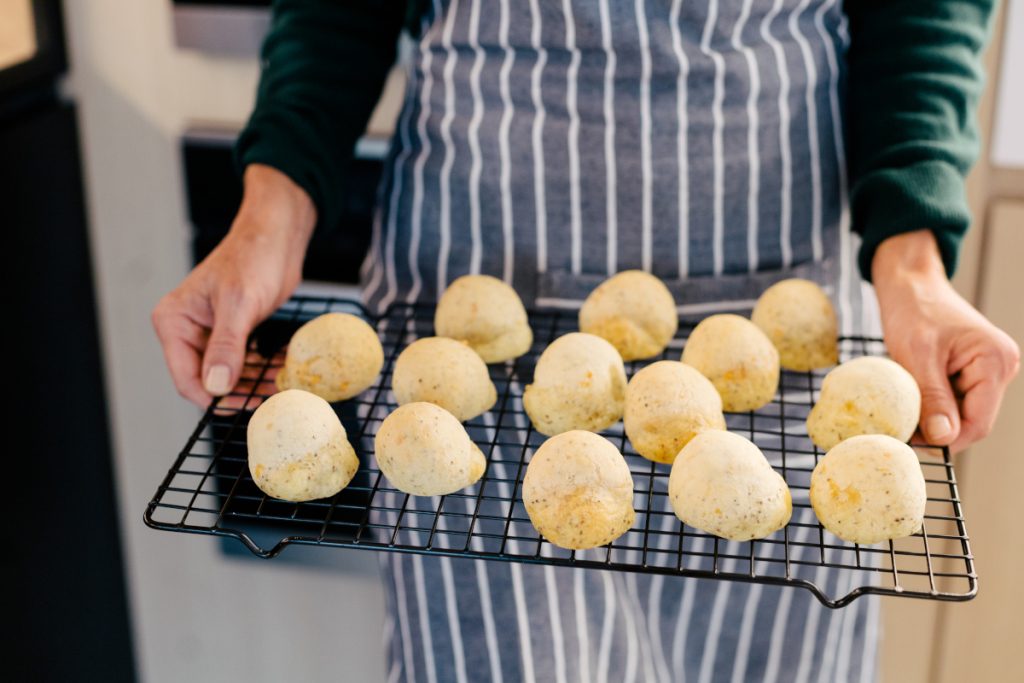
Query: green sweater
point(914, 79)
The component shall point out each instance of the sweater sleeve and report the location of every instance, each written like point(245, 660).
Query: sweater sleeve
point(324, 64)
point(915, 78)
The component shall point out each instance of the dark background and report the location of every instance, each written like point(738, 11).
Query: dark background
point(66, 582)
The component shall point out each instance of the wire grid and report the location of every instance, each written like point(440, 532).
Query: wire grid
point(208, 490)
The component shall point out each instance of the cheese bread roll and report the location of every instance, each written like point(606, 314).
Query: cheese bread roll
point(721, 483)
point(869, 489)
point(867, 395)
point(335, 356)
point(487, 314)
point(667, 404)
point(634, 311)
point(423, 450)
point(738, 358)
point(578, 491)
point(579, 383)
point(446, 373)
point(298, 449)
point(799, 318)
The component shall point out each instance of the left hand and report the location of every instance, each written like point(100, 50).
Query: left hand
point(962, 362)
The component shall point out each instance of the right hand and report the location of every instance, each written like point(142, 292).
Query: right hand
point(204, 323)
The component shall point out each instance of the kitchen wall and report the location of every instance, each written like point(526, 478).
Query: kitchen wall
point(198, 614)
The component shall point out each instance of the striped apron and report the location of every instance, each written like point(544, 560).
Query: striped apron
point(552, 144)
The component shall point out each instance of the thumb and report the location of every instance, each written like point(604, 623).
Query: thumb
point(940, 414)
point(233, 319)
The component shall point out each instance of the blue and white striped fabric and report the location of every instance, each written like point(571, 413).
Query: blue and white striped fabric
point(552, 144)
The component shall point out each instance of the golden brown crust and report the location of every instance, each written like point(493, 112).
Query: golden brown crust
point(423, 450)
point(738, 358)
point(667, 404)
point(869, 489)
point(579, 383)
point(867, 395)
point(799, 319)
point(578, 491)
point(446, 373)
point(335, 356)
point(634, 311)
point(298, 449)
point(487, 314)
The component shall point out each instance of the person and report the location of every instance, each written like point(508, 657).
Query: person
point(721, 145)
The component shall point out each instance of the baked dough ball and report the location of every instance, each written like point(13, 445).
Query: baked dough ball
point(298, 449)
point(721, 483)
point(487, 314)
point(446, 373)
point(423, 450)
point(799, 319)
point(867, 395)
point(335, 356)
point(634, 311)
point(579, 383)
point(667, 404)
point(738, 358)
point(869, 489)
point(578, 491)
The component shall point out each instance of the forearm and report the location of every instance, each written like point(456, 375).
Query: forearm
point(272, 203)
point(915, 78)
point(911, 258)
point(908, 275)
point(275, 216)
point(324, 65)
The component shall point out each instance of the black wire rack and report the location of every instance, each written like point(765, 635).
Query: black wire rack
point(208, 490)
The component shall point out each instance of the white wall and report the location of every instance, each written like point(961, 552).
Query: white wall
point(1007, 147)
point(198, 614)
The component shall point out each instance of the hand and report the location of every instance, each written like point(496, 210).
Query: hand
point(962, 362)
point(204, 323)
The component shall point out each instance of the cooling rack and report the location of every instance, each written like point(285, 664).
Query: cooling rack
point(208, 489)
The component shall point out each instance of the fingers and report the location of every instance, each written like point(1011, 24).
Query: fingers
point(234, 316)
point(255, 384)
point(940, 414)
point(182, 341)
point(982, 383)
point(980, 407)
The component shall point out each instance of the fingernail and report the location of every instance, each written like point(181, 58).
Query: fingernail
point(218, 379)
point(938, 427)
